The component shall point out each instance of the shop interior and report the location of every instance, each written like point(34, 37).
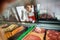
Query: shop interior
point(31, 20)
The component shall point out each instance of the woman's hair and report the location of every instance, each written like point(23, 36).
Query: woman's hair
point(2, 3)
point(26, 4)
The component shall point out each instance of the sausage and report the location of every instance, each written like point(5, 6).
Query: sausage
point(17, 30)
point(8, 34)
point(10, 28)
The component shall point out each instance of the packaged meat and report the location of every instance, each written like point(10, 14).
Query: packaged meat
point(25, 33)
point(35, 34)
point(46, 14)
point(8, 34)
point(10, 28)
point(32, 37)
point(17, 30)
point(17, 34)
point(52, 35)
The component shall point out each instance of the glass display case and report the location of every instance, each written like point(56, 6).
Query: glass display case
point(47, 11)
point(32, 20)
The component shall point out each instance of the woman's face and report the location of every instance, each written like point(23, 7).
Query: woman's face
point(29, 8)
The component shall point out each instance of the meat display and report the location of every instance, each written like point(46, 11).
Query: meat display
point(17, 30)
point(46, 16)
point(36, 34)
point(32, 37)
point(52, 35)
point(10, 28)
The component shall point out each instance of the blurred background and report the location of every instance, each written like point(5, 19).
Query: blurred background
point(52, 5)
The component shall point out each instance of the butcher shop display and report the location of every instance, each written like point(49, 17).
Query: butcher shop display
point(52, 35)
point(10, 28)
point(30, 20)
point(17, 30)
point(45, 14)
point(36, 34)
point(21, 32)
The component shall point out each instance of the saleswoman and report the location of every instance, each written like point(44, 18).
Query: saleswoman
point(3, 6)
point(29, 12)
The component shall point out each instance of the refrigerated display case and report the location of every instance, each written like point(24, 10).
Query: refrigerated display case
point(43, 30)
point(45, 27)
point(47, 11)
point(30, 28)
